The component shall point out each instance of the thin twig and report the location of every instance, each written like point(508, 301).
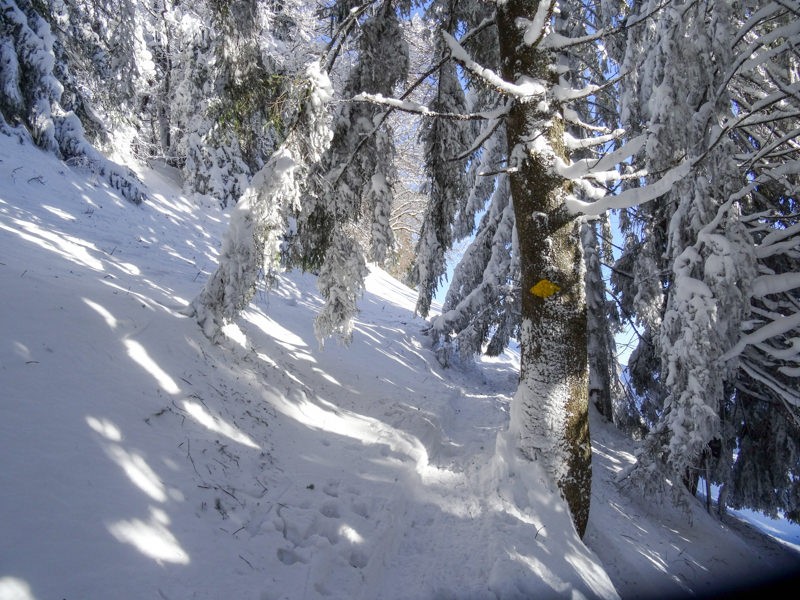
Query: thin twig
point(189, 455)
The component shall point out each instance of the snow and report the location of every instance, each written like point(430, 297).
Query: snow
point(142, 461)
point(535, 29)
point(632, 196)
point(777, 327)
point(526, 89)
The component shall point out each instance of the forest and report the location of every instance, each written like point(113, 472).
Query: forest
point(559, 172)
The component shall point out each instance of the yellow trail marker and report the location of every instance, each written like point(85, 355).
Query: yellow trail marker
point(544, 289)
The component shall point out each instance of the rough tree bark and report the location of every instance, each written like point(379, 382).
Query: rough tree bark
point(551, 404)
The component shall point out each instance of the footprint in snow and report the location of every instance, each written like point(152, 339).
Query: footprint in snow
point(358, 559)
point(288, 556)
point(360, 508)
point(331, 488)
point(330, 510)
point(328, 531)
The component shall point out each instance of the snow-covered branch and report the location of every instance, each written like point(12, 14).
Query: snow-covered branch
point(630, 197)
point(422, 110)
point(573, 143)
point(526, 90)
point(481, 139)
point(776, 328)
point(785, 393)
point(534, 30)
point(555, 41)
point(774, 284)
point(342, 33)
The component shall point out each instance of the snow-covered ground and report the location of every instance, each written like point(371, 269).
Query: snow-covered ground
point(141, 461)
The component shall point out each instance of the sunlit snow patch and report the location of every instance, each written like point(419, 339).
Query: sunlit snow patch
point(139, 472)
point(151, 538)
point(137, 352)
point(105, 428)
point(216, 424)
point(110, 320)
point(12, 588)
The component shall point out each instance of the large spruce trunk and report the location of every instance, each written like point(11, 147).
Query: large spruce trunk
point(550, 410)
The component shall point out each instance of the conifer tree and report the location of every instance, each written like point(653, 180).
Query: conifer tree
point(354, 177)
point(252, 242)
point(482, 302)
point(711, 231)
point(602, 321)
point(764, 415)
point(550, 407)
point(31, 89)
point(549, 421)
point(446, 141)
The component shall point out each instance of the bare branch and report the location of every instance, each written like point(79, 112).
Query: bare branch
point(479, 141)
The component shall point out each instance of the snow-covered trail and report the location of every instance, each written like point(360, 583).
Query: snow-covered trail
point(142, 461)
point(145, 462)
point(404, 455)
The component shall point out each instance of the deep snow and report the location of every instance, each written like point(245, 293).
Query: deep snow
point(141, 461)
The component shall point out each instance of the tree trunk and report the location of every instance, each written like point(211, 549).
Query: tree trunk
point(599, 338)
point(550, 410)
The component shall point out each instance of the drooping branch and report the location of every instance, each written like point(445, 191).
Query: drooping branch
point(342, 34)
point(485, 24)
point(527, 90)
point(554, 41)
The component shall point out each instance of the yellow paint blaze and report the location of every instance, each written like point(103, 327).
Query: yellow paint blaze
point(544, 289)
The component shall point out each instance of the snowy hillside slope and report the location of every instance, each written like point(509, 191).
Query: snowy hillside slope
point(141, 461)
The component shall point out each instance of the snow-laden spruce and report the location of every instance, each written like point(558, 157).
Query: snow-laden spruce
point(31, 96)
point(445, 140)
point(698, 252)
point(482, 301)
point(353, 178)
point(252, 243)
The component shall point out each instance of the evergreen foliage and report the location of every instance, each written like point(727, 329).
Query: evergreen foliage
point(695, 287)
point(253, 240)
point(353, 178)
point(482, 302)
point(538, 120)
point(444, 140)
point(31, 93)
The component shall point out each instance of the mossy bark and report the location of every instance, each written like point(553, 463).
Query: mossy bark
point(554, 385)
